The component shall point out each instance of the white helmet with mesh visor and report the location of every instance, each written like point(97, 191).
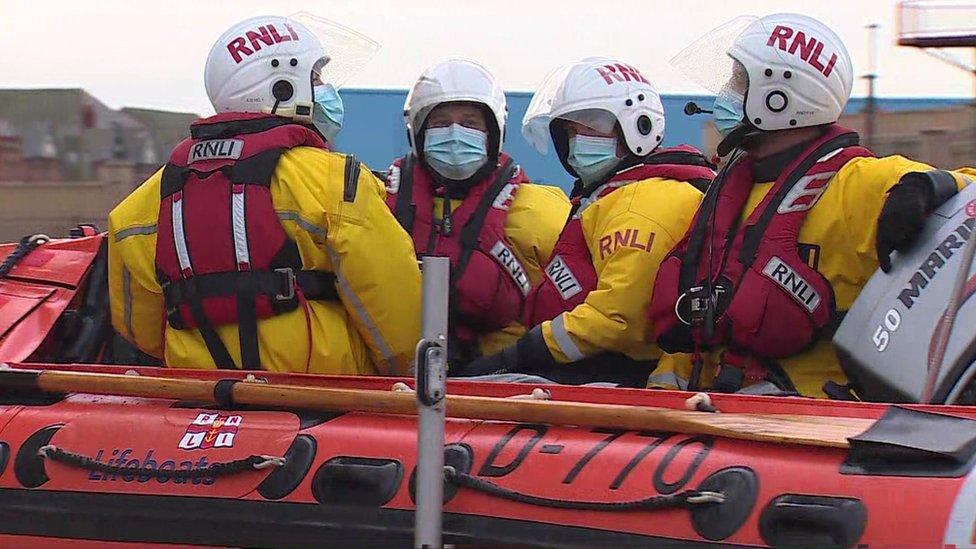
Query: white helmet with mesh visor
point(792, 70)
point(599, 93)
point(270, 64)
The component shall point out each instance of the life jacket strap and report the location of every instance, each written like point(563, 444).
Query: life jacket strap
point(278, 284)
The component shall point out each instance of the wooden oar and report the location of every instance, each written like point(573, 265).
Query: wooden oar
point(810, 431)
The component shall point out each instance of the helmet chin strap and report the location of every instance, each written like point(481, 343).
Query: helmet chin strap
point(300, 112)
point(738, 138)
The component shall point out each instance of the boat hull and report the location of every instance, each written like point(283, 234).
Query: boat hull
point(348, 476)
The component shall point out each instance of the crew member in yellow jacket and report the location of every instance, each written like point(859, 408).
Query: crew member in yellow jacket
point(633, 199)
point(461, 197)
point(794, 225)
point(257, 247)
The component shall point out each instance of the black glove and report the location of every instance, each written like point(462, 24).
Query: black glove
point(908, 205)
point(528, 355)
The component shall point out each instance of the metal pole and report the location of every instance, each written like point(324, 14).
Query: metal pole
point(431, 389)
point(870, 107)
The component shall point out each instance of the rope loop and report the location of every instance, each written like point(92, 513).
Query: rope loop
point(214, 470)
point(680, 500)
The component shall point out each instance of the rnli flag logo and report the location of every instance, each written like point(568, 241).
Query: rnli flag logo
point(211, 431)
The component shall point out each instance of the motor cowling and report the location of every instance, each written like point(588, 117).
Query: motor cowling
point(886, 340)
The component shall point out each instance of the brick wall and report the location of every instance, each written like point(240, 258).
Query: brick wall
point(54, 207)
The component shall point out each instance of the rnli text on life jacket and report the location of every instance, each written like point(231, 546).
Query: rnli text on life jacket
point(810, 49)
point(505, 256)
point(935, 261)
point(265, 34)
point(779, 272)
point(216, 149)
point(629, 238)
point(562, 277)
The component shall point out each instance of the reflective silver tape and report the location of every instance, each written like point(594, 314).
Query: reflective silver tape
point(353, 300)
point(127, 300)
point(564, 340)
point(670, 379)
point(135, 231)
point(308, 226)
point(179, 237)
point(240, 228)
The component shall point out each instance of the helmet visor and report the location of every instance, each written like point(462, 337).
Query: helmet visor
point(535, 123)
point(346, 50)
point(707, 61)
point(596, 119)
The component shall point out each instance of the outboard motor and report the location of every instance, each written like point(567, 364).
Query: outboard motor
point(890, 334)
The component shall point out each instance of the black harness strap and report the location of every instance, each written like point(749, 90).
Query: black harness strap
point(351, 178)
point(404, 210)
point(232, 128)
point(755, 233)
point(700, 232)
point(173, 180)
point(472, 229)
point(685, 158)
point(247, 324)
point(315, 285)
point(470, 233)
point(256, 170)
point(218, 351)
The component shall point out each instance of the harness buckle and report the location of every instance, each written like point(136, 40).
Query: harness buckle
point(699, 303)
point(290, 283)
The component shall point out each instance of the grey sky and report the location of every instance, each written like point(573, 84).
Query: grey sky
point(151, 54)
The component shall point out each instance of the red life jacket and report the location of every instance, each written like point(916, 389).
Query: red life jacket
point(570, 275)
point(222, 256)
point(768, 302)
point(488, 283)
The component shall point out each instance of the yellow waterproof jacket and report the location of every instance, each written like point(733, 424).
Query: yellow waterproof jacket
point(628, 233)
point(372, 330)
point(841, 228)
point(535, 218)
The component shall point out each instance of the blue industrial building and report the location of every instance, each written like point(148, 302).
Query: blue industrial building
point(374, 130)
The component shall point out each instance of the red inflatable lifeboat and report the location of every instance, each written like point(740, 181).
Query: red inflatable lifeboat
point(105, 455)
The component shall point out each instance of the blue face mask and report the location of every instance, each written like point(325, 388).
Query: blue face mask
point(592, 157)
point(455, 152)
point(328, 112)
point(728, 111)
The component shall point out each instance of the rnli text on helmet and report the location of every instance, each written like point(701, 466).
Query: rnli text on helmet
point(810, 49)
point(619, 72)
point(267, 34)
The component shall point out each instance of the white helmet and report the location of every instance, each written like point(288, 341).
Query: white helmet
point(587, 89)
point(798, 70)
point(455, 80)
point(268, 64)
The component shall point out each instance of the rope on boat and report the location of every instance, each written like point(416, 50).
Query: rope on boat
point(214, 470)
point(537, 394)
point(700, 402)
point(24, 247)
point(681, 500)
